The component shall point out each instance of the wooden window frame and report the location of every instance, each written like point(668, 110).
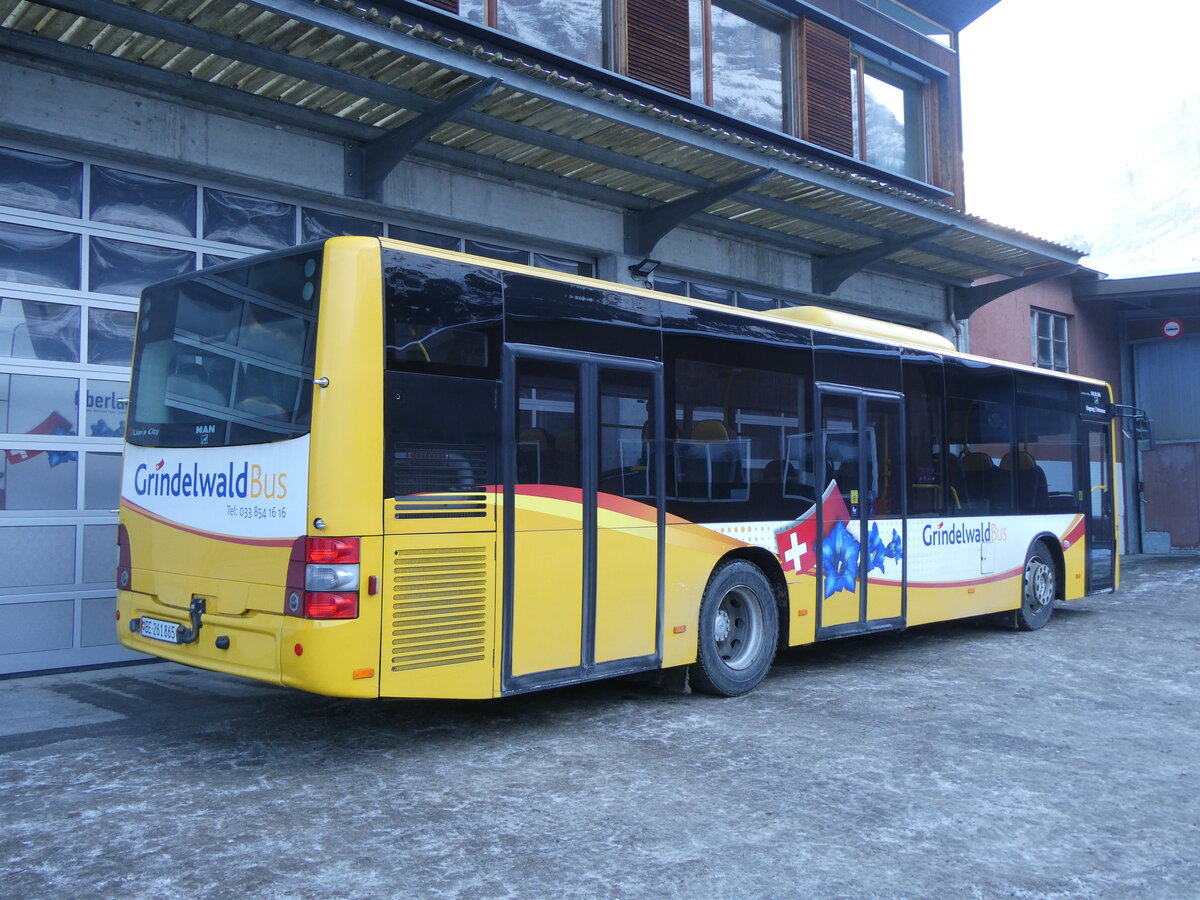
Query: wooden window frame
point(789, 58)
point(860, 62)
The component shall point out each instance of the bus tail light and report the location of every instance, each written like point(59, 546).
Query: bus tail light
point(321, 605)
point(124, 563)
point(331, 579)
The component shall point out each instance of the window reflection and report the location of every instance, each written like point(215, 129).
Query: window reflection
point(125, 267)
point(252, 221)
point(110, 337)
point(317, 225)
point(43, 183)
point(737, 65)
point(33, 329)
point(574, 29)
point(143, 201)
point(889, 118)
point(38, 404)
point(39, 256)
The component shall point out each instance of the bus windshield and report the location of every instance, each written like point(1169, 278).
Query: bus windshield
point(225, 357)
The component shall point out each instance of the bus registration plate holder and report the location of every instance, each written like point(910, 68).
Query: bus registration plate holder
point(158, 630)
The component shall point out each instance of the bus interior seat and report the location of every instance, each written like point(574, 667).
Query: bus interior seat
point(710, 430)
point(979, 478)
point(191, 380)
point(1032, 490)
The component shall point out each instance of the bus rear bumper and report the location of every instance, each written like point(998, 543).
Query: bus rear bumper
point(320, 657)
point(245, 645)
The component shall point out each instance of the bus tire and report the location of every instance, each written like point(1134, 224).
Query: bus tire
point(738, 631)
point(1039, 586)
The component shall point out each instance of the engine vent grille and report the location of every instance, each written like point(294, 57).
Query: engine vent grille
point(439, 607)
point(442, 506)
point(438, 468)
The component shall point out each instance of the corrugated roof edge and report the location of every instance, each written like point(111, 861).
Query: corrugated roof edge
point(570, 82)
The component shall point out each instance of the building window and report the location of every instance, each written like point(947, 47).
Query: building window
point(738, 61)
point(579, 29)
point(715, 294)
point(1049, 339)
point(889, 117)
point(914, 20)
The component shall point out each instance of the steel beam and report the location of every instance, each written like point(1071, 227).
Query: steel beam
point(367, 165)
point(829, 272)
point(968, 300)
point(645, 229)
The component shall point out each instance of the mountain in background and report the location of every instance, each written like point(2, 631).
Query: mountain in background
point(1153, 226)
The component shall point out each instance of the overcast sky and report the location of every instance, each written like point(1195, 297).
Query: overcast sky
point(1076, 120)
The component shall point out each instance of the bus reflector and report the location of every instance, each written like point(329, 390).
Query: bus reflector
point(332, 550)
point(330, 606)
point(360, 674)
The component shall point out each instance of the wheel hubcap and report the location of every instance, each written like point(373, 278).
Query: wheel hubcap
point(1039, 584)
point(738, 628)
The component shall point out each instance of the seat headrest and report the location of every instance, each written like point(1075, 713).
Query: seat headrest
point(710, 430)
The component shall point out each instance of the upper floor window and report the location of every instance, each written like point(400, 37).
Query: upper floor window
point(579, 29)
point(889, 117)
point(914, 20)
point(1049, 340)
point(738, 61)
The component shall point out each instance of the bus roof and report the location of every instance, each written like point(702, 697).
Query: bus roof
point(813, 318)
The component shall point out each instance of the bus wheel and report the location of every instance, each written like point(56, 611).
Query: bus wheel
point(739, 628)
point(1038, 588)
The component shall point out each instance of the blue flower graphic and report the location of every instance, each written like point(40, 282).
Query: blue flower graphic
point(58, 457)
point(839, 555)
point(876, 551)
point(895, 547)
point(102, 429)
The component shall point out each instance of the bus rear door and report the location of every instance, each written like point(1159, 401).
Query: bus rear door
point(584, 517)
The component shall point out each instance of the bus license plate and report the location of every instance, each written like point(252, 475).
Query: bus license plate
point(158, 630)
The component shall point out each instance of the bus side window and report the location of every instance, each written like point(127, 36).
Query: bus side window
point(934, 476)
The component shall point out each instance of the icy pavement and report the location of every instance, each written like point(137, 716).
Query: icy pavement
point(954, 761)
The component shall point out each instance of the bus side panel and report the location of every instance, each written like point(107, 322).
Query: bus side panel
point(952, 574)
point(1075, 559)
point(941, 603)
point(692, 552)
point(626, 608)
point(438, 612)
point(802, 594)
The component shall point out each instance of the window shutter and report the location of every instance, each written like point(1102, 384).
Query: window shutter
point(657, 45)
point(828, 112)
point(450, 6)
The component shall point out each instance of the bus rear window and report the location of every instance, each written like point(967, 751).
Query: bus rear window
point(225, 357)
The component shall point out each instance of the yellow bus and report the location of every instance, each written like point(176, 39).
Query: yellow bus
point(366, 468)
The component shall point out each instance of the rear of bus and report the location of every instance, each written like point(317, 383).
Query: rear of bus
point(232, 556)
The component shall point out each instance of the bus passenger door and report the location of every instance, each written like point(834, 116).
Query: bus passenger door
point(1101, 530)
point(584, 517)
point(861, 564)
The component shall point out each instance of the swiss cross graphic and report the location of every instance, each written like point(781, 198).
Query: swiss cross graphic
point(798, 545)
